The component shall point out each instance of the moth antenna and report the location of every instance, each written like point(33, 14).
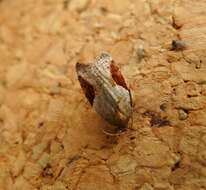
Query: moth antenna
point(131, 123)
point(111, 134)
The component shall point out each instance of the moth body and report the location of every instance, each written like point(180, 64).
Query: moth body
point(106, 90)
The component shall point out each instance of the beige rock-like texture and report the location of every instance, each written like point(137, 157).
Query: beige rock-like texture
point(50, 137)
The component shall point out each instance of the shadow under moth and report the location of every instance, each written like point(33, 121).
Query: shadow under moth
point(106, 90)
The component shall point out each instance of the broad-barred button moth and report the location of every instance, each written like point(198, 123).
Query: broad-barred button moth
point(106, 90)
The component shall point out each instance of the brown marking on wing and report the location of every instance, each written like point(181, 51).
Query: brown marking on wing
point(88, 89)
point(117, 76)
point(86, 86)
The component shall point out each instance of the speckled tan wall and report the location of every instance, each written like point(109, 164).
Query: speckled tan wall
point(50, 137)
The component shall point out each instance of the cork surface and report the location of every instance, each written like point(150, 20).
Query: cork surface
point(51, 138)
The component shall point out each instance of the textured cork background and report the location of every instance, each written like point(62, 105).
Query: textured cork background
point(50, 137)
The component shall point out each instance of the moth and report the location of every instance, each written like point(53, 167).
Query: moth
point(106, 90)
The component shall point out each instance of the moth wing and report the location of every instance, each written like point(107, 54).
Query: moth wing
point(117, 76)
point(83, 73)
point(105, 63)
point(115, 113)
point(107, 66)
point(102, 64)
point(103, 60)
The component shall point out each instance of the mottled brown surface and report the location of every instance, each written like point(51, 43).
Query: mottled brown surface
point(51, 139)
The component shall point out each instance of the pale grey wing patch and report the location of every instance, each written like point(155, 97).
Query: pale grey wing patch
point(112, 106)
point(102, 64)
point(124, 100)
point(105, 108)
point(103, 59)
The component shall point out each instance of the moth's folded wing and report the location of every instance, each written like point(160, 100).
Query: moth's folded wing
point(110, 70)
point(117, 76)
point(83, 73)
